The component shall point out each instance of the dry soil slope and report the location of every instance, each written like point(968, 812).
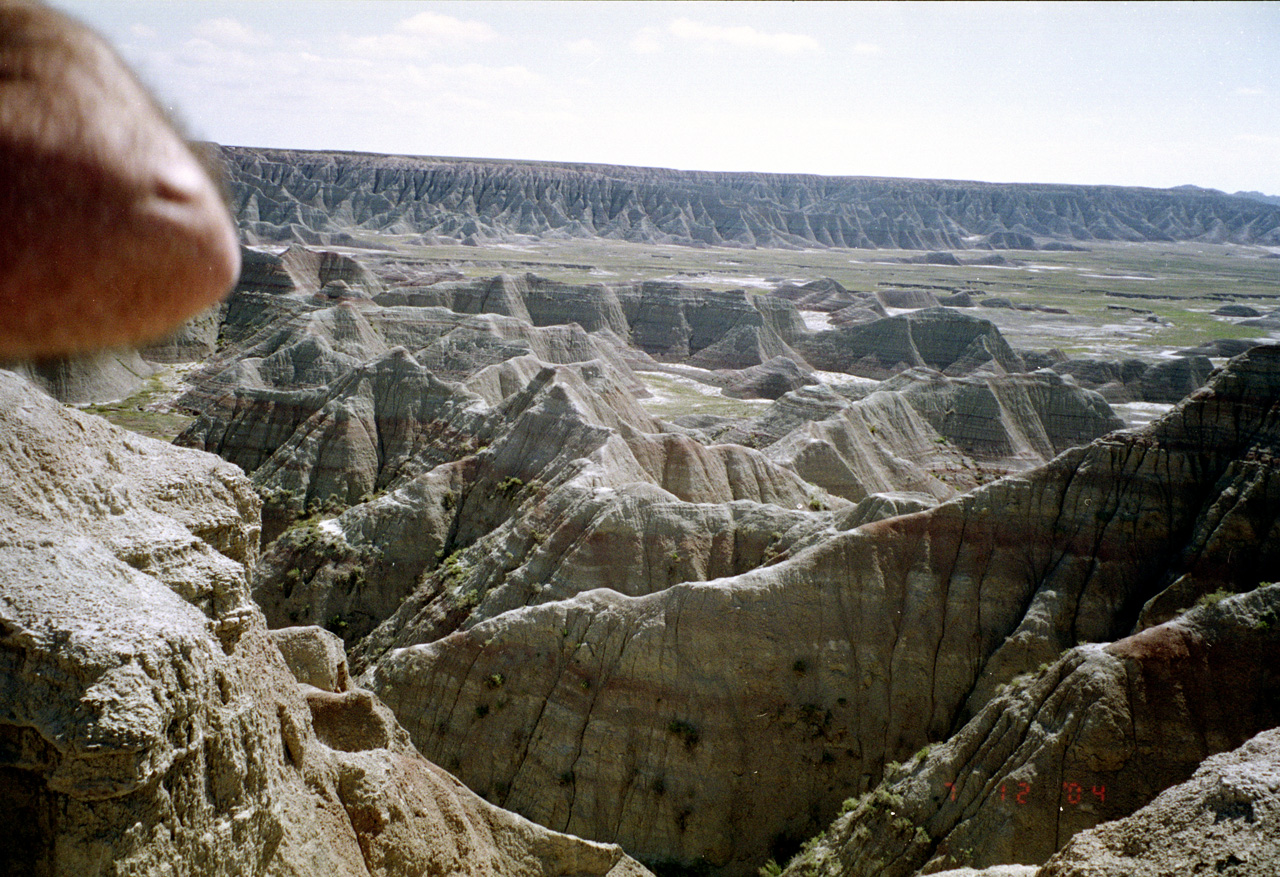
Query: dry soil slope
point(149, 725)
point(714, 721)
point(1087, 739)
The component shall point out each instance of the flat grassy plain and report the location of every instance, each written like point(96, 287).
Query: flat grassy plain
point(1121, 299)
point(673, 396)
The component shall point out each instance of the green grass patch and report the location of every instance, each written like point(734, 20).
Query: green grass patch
point(142, 413)
point(673, 396)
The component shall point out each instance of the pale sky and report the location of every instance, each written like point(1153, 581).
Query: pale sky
point(1147, 94)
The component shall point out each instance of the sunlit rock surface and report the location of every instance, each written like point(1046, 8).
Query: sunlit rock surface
point(850, 654)
point(149, 723)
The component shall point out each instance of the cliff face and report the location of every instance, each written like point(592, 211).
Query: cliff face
point(148, 722)
point(325, 197)
point(1085, 740)
point(641, 718)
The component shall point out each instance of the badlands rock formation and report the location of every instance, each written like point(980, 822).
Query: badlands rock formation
point(1133, 380)
point(1222, 821)
point(91, 377)
point(334, 198)
point(640, 719)
point(1014, 419)
point(149, 722)
point(546, 415)
point(698, 638)
point(1090, 738)
point(941, 338)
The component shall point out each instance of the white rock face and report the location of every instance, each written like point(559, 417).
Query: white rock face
point(1224, 820)
point(314, 655)
point(149, 725)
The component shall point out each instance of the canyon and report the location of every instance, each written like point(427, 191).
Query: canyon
point(544, 519)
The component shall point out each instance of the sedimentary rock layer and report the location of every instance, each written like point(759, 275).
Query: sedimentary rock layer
point(711, 722)
point(1090, 738)
point(149, 725)
point(329, 197)
point(1224, 820)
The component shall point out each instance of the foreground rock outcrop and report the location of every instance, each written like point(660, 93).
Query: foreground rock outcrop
point(1224, 820)
point(1088, 739)
point(149, 725)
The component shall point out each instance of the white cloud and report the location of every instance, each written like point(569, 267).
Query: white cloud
point(229, 32)
point(646, 42)
point(584, 48)
point(319, 93)
point(867, 49)
point(420, 36)
point(144, 31)
point(445, 28)
point(1251, 92)
point(742, 37)
point(482, 77)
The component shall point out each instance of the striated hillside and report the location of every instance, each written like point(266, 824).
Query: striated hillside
point(703, 635)
point(149, 722)
point(698, 637)
point(331, 197)
point(708, 722)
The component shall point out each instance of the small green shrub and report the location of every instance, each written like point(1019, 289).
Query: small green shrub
point(1214, 597)
point(455, 568)
point(884, 799)
point(851, 804)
